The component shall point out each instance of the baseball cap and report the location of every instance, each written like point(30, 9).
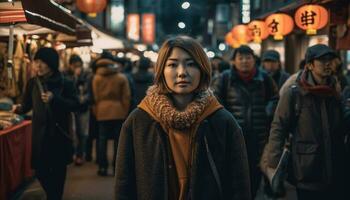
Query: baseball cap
point(317, 51)
point(271, 55)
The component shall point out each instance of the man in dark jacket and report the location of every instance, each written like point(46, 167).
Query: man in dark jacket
point(271, 63)
point(81, 79)
point(311, 110)
point(142, 79)
point(52, 98)
point(248, 92)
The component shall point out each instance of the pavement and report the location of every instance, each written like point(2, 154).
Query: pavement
point(82, 183)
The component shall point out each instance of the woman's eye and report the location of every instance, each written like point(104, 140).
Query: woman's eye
point(171, 65)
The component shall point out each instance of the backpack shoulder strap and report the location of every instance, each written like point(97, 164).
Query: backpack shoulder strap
point(295, 110)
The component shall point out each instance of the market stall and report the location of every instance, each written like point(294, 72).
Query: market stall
point(24, 25)
point(15, 156)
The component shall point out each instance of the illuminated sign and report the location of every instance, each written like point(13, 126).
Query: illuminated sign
point(148, 28)
point(245, 11)
point(133, 27)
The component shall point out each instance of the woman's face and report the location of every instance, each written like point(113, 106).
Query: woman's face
point(182, 74)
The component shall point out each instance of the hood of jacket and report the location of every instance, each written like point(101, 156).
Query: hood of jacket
point(106, 71)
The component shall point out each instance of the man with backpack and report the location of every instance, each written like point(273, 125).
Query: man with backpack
point(248, 93)
point(311, 112)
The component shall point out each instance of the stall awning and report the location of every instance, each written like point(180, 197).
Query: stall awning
point(42, 16)
point(49, 14)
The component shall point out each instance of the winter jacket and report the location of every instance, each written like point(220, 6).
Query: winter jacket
point(142, 165)
point(280, 77)
point(111, 94)
point(51, 142)
point(251, 104)
point(318, 139)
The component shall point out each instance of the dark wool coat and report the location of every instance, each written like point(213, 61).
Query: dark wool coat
point(142, 160)
point(51, 143)
point(318, 141)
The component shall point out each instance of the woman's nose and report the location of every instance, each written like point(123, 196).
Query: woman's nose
point(181, 71)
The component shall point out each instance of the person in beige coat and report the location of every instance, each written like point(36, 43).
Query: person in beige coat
point(111, 93)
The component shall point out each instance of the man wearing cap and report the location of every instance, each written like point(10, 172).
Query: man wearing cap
point(271, 63)
point(311, 110)
point(52, 98)
point(247, 92)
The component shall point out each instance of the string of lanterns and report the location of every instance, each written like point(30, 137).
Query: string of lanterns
point(308, 17)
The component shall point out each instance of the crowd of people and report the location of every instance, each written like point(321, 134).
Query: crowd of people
point(193, 128)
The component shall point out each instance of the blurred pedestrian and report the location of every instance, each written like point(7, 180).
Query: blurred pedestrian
point(250, 95)
point(81, 117)
point(52, 98)
point(112, 101)
point(180, 143)
point(142, 79)
point(271, 63)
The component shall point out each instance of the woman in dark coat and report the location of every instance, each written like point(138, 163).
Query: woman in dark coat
point(180, 143)
point(52, 98)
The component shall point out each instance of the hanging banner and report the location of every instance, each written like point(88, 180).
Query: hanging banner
point(148, 28)
point(133, 27)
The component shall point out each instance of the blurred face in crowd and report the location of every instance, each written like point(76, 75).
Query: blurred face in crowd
point(182, 74)
point(336, 64)
point(244, 62)
point(41, 67)
point(215, 64)
point(76, 67)
point(321, 68)
point(271, 66)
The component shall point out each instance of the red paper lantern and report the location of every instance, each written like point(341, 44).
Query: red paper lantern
point(241, 34)
point(258, 30)
point(311, 18)
point(279, 25)
point(91, 7)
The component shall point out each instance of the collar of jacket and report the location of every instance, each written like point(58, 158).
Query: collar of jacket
point(54, 79)
point(303, 91)
point(259, 76)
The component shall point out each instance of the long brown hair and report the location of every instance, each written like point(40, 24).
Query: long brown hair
point(194, 49)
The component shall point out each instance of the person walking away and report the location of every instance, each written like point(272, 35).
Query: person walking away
point(142, 79)
point(180, 143)
point(112, 100)
point(52, 98)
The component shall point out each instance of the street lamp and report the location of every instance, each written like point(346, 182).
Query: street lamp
point(181, 25)
point(222, 46)
point(185, 5)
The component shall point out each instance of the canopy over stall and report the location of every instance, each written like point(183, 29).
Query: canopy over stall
point(35, 12)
